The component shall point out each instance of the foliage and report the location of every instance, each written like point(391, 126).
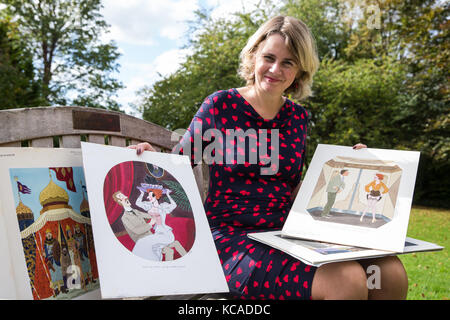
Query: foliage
point(211, 66)
point(178, 195)
point(428, 271)
point(64, 37)
point(324, 19)
point(345, 111)
point(18, 88)
point(383, 78)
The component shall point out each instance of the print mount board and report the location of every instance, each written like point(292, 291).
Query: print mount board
point(150, 229)
point(44, 206)
point(371, 203)
point(317, 253)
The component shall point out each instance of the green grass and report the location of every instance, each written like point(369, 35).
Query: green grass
point(428, 272)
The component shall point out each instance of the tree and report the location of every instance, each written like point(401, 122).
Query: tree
point(383, 78)
point(212, 65)
point(325, 20)
point(355, 102)
point(18, 87)
point(392, 66)
point(64, 38)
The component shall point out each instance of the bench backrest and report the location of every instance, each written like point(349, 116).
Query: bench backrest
point(66, 127)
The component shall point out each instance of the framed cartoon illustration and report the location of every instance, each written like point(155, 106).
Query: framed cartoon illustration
point(149, 225)
point(355, 197)
point(48, 232)
point(356, 191)
point(148, 209)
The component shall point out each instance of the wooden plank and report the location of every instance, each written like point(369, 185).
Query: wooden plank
point(15, 144)
point(95, 138)
point(95, 120)
point(205, 180)
point(146, 131)
point(71, 141)
point(117, 141)
point(198, 174)
point(32, 123)
point(42, 142)
point(135, 142)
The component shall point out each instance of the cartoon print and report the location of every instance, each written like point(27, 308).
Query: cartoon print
point(59, 262)
point(148, 211)
point(374, 195)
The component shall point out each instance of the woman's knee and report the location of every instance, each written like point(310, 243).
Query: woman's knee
point(342, 280)
point(393, 280)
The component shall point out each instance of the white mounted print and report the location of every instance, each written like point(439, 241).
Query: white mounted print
point(355, 197)
point(150, 228)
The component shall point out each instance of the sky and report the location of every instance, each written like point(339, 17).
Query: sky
point(150, 35)
point(36, 179)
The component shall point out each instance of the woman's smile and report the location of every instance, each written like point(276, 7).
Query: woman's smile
point(275, 67)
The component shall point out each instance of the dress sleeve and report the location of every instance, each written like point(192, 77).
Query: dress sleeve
point(194, 140)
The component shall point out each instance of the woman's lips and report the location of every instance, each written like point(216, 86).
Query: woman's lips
point(270, 79)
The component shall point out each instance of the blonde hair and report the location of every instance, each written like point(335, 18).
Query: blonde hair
point(300, 42)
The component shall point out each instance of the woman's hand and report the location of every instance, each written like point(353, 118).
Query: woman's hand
point(359, 146)
point(141, 147)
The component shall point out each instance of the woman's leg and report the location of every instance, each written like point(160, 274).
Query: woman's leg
point(340, 280)
point(392, 278)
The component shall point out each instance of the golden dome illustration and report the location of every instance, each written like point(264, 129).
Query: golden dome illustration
point(53, 197)
point(25, 216)
point(84, 206)
point(22, 209)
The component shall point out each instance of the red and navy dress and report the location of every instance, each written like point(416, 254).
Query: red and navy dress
point(254, 166)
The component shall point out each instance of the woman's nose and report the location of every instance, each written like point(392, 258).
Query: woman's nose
point(275, 68)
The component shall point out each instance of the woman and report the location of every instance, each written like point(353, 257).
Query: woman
point(374, 195)
point(279, 59)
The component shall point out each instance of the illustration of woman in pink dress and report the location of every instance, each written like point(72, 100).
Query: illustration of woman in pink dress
point(163, 241)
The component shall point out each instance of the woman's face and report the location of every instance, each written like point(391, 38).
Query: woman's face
point(275, 67)
point(151, 196)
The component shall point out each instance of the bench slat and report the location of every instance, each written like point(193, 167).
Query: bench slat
point(15, 144)
point(42, 142)
point(117, 141)
point(95, 138)
point(71, 141)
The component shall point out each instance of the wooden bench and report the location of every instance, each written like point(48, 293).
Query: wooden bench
point(66, 127)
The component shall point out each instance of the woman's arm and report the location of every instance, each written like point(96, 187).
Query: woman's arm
point(169, 207)
point(146, 205)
